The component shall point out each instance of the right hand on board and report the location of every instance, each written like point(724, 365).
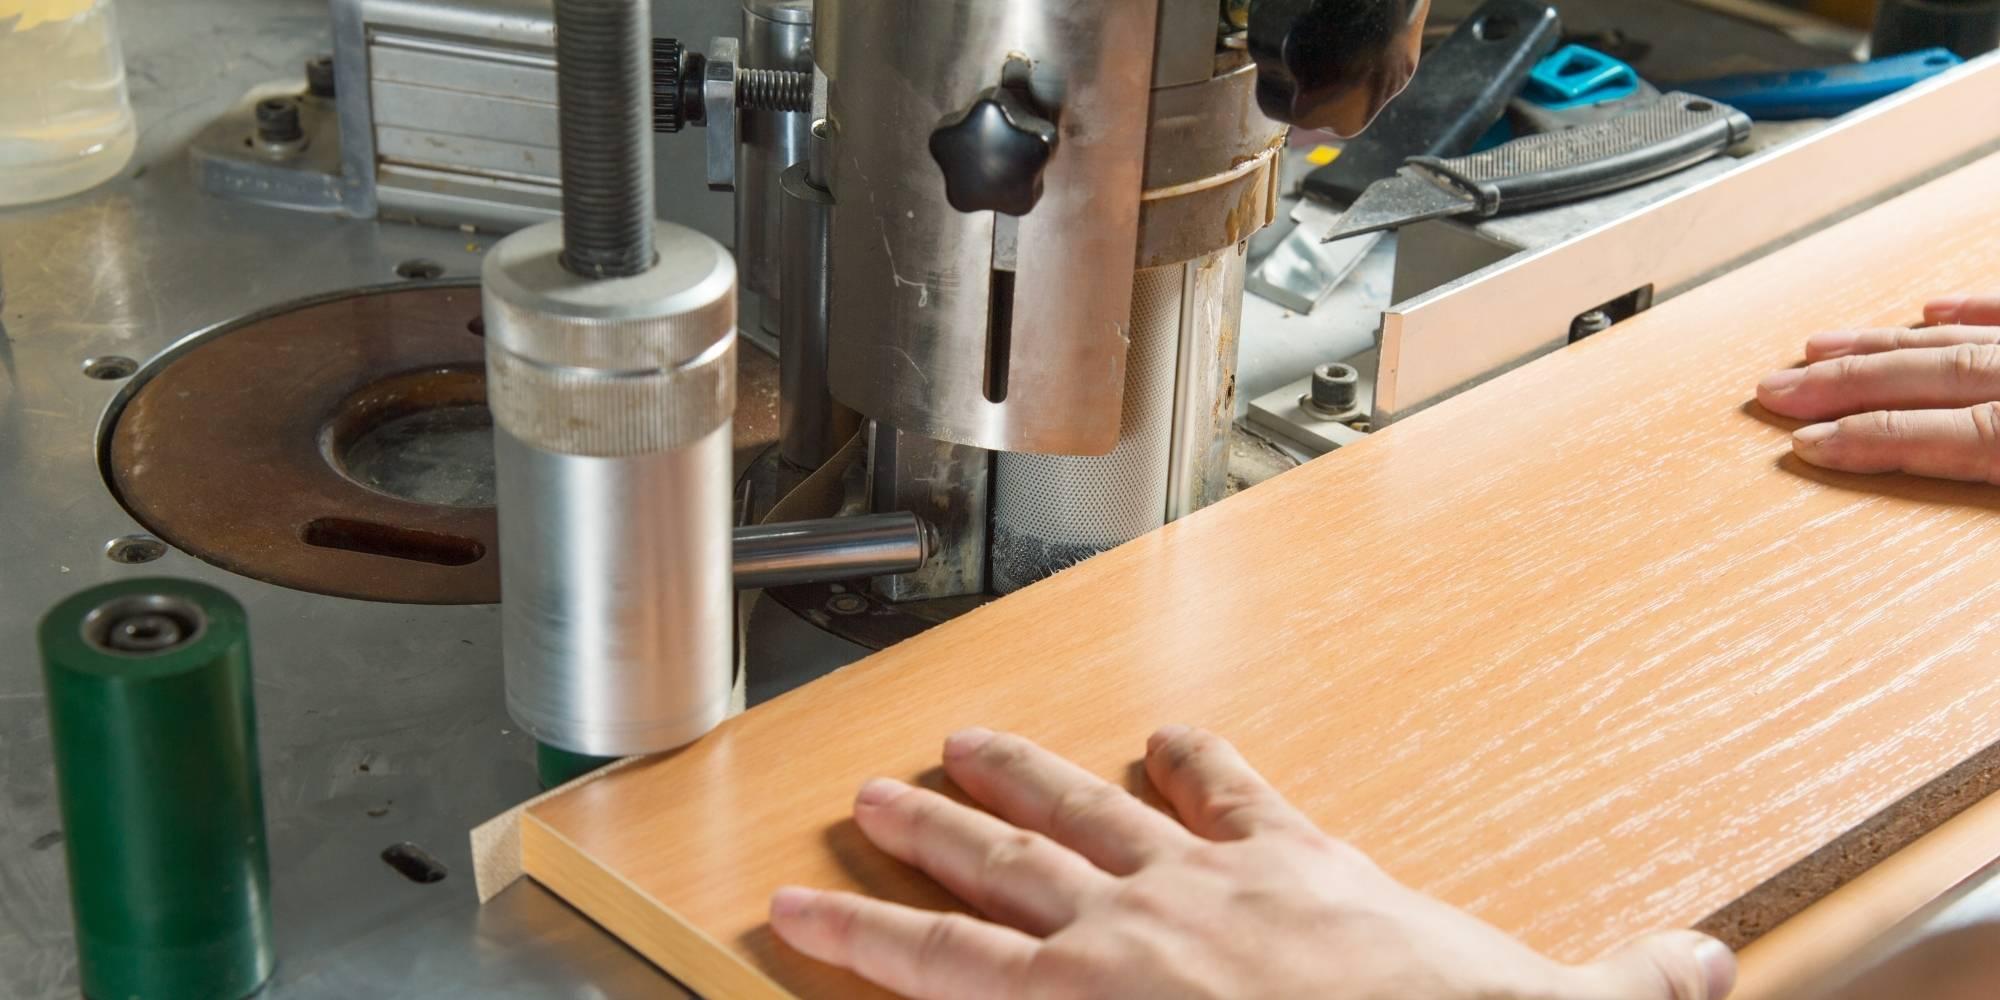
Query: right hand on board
point(1085, 891)
point(1924, 400)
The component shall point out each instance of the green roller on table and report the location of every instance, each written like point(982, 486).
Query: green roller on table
point(556, 766)
point(155, 741)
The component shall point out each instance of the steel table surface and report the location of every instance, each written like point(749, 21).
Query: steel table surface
point(379, 723)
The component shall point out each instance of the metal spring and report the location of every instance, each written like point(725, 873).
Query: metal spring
point(774, 90)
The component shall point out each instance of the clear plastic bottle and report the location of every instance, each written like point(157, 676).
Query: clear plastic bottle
point(65, 121)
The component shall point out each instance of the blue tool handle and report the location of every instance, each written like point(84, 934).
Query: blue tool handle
point(1575, 75)
point(1824, 92)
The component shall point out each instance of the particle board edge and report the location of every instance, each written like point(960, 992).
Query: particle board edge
point(1836, 936)
point(689, 953)
point(1841, 860)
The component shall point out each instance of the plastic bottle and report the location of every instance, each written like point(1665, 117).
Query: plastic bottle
point(65, 121)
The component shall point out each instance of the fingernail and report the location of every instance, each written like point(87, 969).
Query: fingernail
point(965, 742)
point(1718, 966)
point(1783, 381)
point(1814, 435)
point(790, 901)
point(1162, 735)
point(1944, 310)
point(1832, 343)
point(876, 791)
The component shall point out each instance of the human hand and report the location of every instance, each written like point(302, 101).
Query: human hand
point(1088, 892)
point(1923, 400)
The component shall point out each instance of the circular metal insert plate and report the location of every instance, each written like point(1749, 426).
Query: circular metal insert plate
point(340, 445)
point(231, 447)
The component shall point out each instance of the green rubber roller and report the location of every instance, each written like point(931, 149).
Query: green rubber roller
point(556, 766)
point(163, 814)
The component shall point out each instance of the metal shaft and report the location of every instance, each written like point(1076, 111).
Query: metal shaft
point(812, 426)
point(837, 548)
point(604, 87)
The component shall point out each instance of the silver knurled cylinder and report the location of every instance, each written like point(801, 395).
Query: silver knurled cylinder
point(612, 401)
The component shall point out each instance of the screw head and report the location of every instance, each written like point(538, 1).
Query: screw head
point(133, 550)
point(1594, 321)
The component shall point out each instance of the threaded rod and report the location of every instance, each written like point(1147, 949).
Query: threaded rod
point(604, 98)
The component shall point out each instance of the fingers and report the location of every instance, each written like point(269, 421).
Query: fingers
point(917, 953)
point(1945, 444)
point(1672, 965)
point(1843, 343)
point(1013, 876)
point(1922, 378)
point(1977, 310)
point(1040, 791)
point(1216, 792)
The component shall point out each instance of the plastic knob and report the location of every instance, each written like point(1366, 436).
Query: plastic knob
point(667, 104)
point(993, 153)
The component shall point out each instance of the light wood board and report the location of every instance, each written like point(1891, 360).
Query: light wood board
point(1582, 650)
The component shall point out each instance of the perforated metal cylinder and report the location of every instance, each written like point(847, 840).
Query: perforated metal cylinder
point(612, 401)
point(1053, 511)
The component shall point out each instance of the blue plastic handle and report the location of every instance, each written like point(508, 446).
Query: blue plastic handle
point(1825, 92)
point(1574, 75)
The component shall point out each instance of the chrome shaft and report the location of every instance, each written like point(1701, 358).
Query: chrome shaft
point(837, 548)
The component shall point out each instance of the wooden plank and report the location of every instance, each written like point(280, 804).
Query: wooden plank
point(1582, 650)
point(1823, 945)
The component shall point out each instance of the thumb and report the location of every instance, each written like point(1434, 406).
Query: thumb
point(1670, 965)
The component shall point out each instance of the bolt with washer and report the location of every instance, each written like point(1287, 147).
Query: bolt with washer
point(1335, 393)
point(279, 127)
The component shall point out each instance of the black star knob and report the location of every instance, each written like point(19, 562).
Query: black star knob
point(993, 153)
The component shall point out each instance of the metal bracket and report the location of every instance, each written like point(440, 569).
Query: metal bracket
point(1468, 330)
point(1282, 417)
point(229, 162)
point(718, 93)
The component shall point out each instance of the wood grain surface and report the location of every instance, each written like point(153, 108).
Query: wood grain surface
point(1581, 650)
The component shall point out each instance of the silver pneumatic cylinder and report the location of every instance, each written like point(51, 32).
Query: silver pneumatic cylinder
point(612, 403)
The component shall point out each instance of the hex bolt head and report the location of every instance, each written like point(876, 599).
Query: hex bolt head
point(1336, 387)
point(278, 120)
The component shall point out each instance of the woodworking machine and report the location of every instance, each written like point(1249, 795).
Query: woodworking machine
point(1001, 248)
point(495, 363)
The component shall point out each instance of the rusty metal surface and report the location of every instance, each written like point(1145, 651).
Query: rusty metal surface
point(274, 399)
point(250, 403)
